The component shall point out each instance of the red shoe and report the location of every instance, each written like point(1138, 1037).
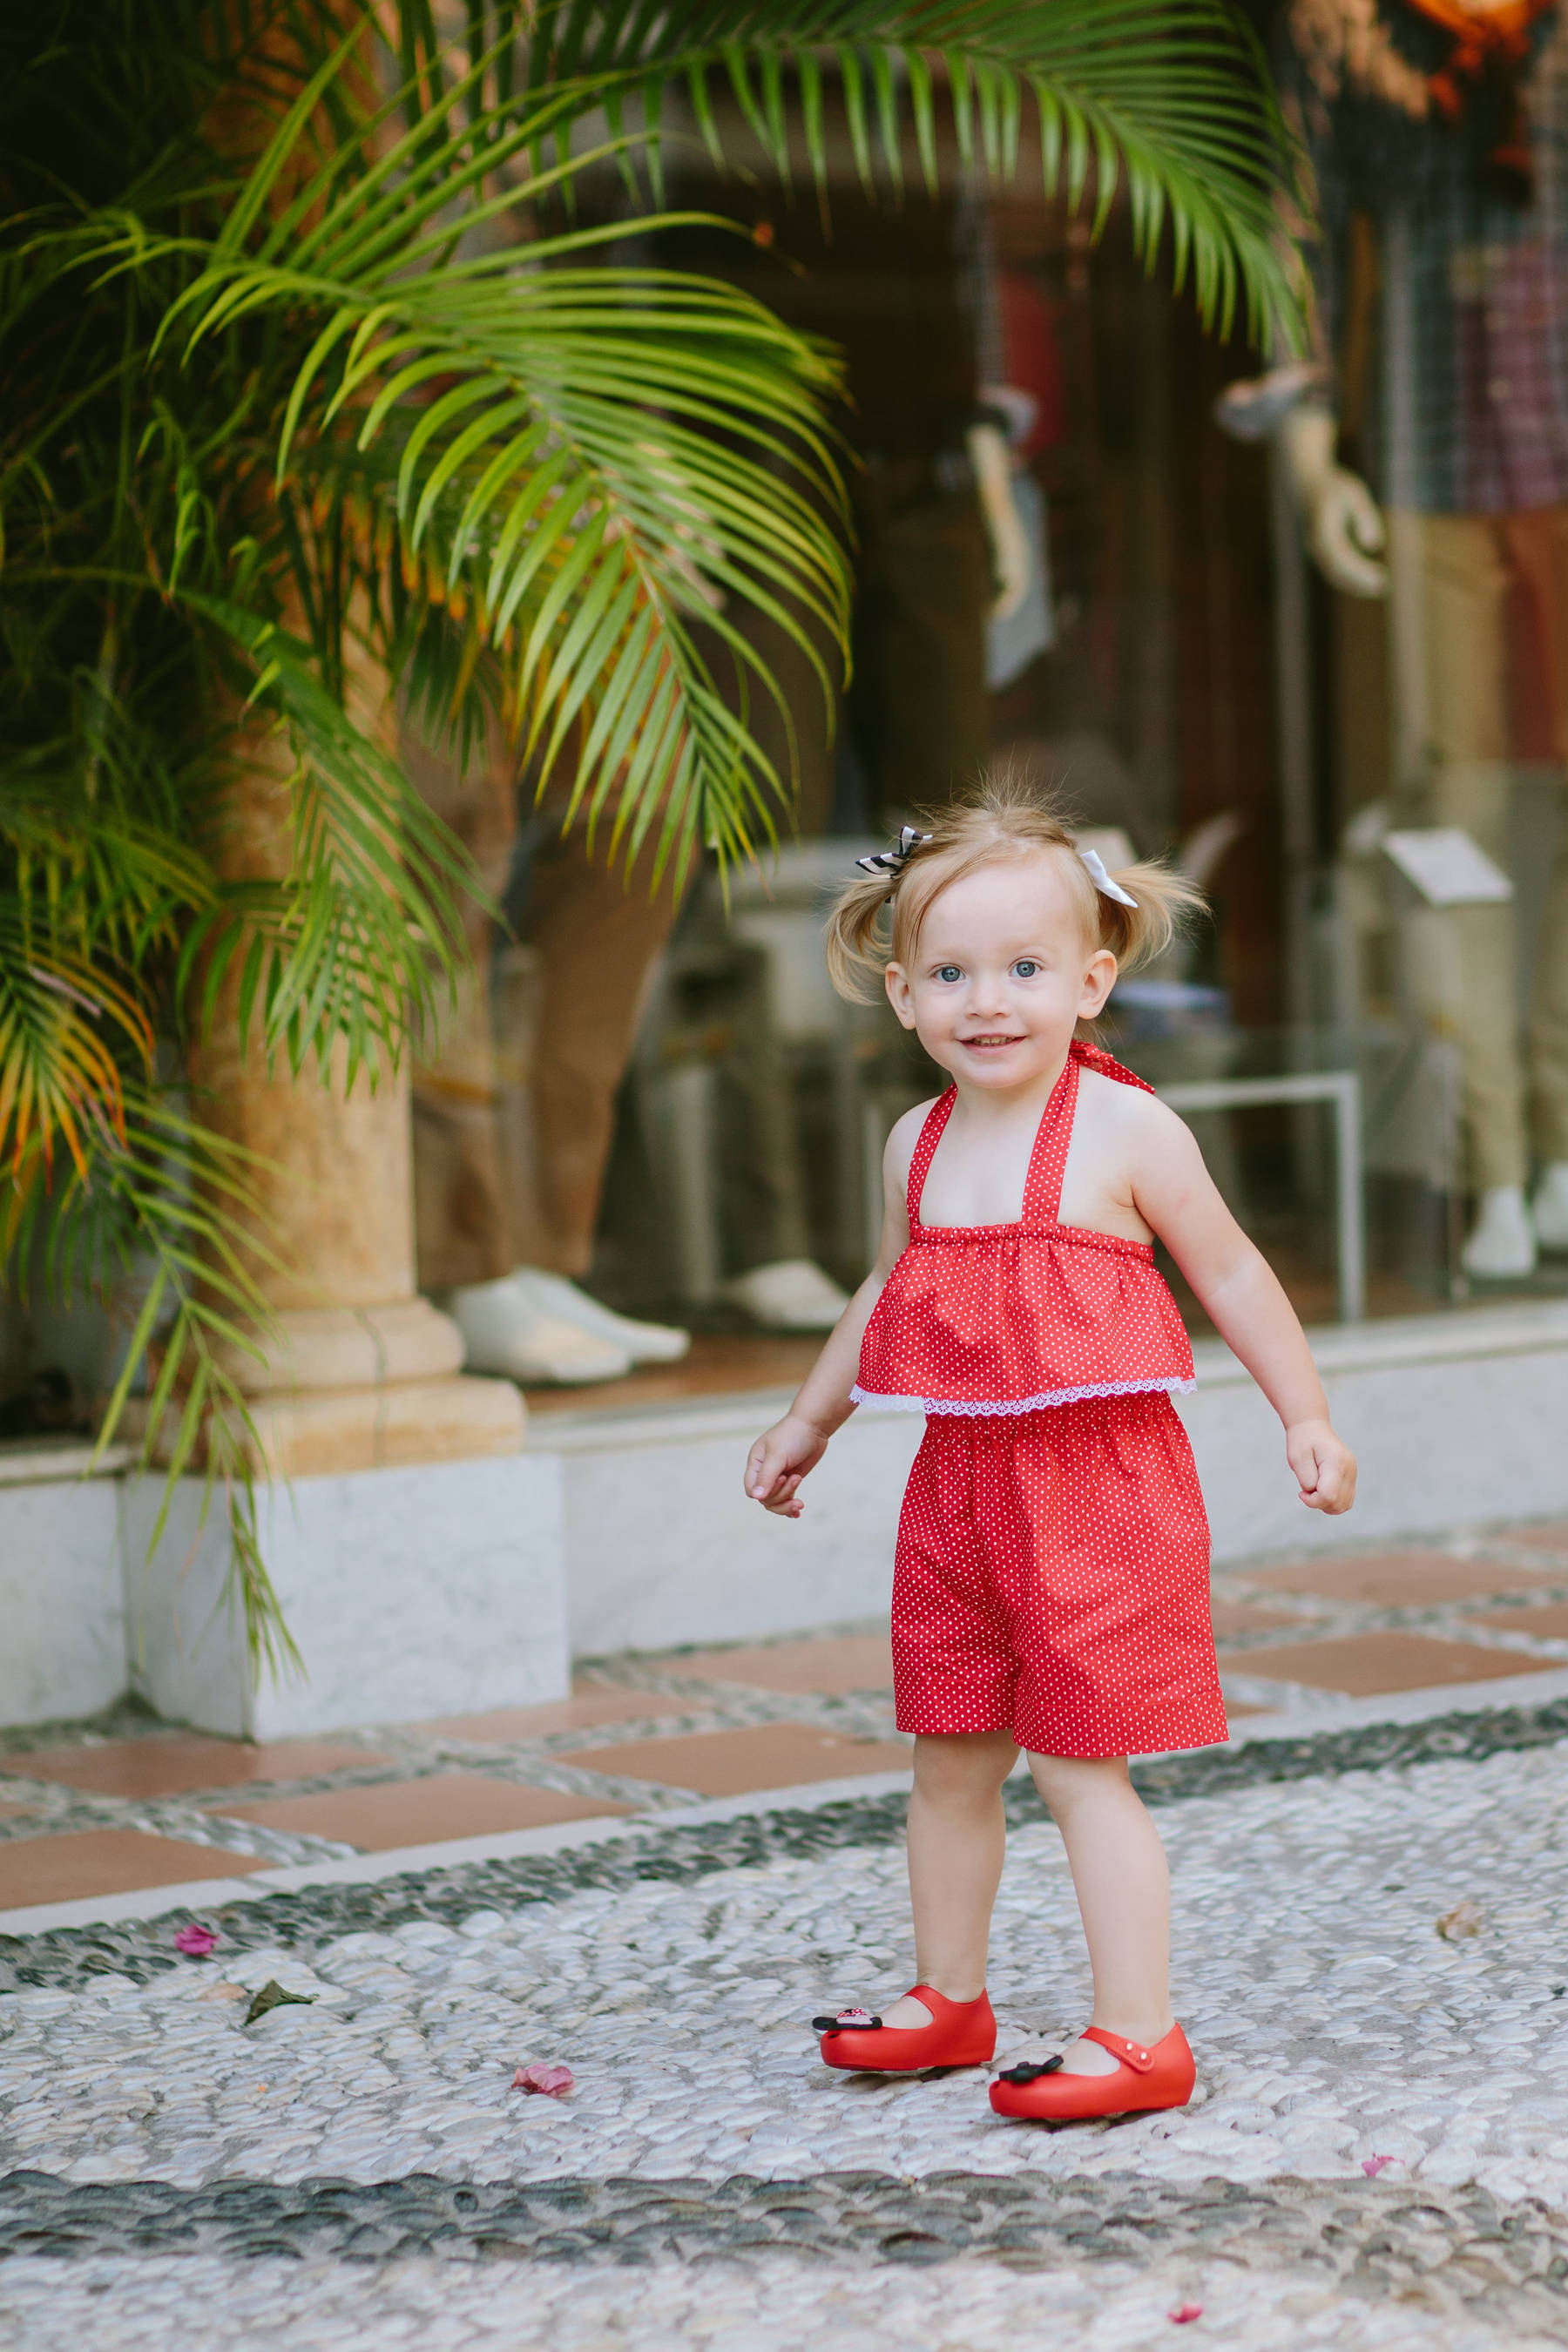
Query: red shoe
point(960, 2034)
point(1160, 2077)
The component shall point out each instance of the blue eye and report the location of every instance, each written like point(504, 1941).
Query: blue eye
point(949, 971)
point(1026, 968)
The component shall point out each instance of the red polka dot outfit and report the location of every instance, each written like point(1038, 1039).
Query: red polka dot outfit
point(1051, 1577)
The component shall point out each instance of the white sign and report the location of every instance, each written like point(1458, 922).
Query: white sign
point(1447, 868)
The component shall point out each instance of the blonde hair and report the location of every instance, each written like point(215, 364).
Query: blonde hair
point(877, 918)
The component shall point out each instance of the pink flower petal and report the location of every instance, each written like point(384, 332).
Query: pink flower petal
point(555, 2082)
point(1186, 2312)
point(1373, 2165)
point(195, 1941)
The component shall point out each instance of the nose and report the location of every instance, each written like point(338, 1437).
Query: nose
point(985, 998)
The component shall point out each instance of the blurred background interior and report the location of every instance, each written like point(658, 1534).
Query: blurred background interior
point(668, 1113)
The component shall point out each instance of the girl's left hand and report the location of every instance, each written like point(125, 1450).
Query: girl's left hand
point(1323, 1464)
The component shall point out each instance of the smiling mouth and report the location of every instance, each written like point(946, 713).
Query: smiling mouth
point(992, 1040)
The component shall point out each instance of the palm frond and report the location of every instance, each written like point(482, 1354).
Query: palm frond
point(1169, 99)
point(588, 460)
point(355, 942)
point(155, 1222)
point(60, 1018)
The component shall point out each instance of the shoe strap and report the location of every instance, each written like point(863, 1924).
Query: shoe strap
point(937, 2002)
point(1132, 2053)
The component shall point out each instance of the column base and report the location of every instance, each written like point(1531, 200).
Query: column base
point(347, 1347)
point(311, 1433)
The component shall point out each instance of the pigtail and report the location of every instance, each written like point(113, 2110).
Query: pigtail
point(1140, 935)
point(876, 917)
point(858, 937)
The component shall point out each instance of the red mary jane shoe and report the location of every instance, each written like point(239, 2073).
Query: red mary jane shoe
point(1159, 2077)
point(960, 2034)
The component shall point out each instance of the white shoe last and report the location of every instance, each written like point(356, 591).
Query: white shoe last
point(791, 1295)
point(645, 1343)
point(1502, 1239)
point(505, 1332)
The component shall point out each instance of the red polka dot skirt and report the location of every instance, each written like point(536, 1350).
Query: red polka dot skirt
point(1051, 1580)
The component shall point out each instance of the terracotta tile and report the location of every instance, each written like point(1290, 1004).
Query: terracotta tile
point(854, 1661)
point(763, 1756)
point(419, 1812)
point(1549, 1620)
point(584, 1711)
point(1402, 1579)
point(184, 1762)
point(1235, 1706)
point(1241, 1617)
point(1553, 1539)
point(106, 1862)
point(1367, 1664)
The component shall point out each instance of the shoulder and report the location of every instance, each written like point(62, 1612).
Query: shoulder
point(1137, 1118)
point(901, 1142)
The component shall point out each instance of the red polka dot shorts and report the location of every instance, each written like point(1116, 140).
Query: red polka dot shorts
point(1051, 1580)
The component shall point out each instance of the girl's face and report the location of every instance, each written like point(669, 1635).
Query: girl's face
point(1001, 975)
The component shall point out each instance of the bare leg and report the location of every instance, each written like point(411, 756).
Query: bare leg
point(1123, 1894)
point(957, 1839)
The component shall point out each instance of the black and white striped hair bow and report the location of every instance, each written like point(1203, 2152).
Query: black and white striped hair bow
point(893, 861)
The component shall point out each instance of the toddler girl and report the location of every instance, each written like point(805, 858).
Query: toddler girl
point(1050, 1585)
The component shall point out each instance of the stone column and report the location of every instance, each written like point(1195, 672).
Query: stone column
point(359, 1373)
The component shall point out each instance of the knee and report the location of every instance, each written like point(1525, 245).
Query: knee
point(962, 1767)
point(1065, 1783)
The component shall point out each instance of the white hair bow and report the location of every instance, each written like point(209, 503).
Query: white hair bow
point(1101, 880)
point(893, 861)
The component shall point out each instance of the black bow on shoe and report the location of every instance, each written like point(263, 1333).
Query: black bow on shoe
point(1030, 2074)
point(893, 861)
point(852, 2020)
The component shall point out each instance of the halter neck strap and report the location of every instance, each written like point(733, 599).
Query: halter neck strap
point(929, 1136)
point(1048, 1160)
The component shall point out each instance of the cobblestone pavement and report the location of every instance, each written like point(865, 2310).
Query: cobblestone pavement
point(352, 2168)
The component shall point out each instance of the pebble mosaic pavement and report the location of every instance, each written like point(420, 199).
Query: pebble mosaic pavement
point(353, 2170)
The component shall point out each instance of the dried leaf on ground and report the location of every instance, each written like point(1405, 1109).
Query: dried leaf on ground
point(272, 1996)
point(1465, 1919)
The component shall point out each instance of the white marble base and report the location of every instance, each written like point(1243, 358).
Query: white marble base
point(62, 1618)
point(1457, 1418)
point(664, 1546)
point(435, 1589)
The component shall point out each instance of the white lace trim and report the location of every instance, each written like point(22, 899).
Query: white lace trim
point(1018, 1404)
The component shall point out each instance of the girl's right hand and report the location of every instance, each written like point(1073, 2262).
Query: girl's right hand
point(780, 1460)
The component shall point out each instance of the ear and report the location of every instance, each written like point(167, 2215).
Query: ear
point(900, 995)
point(1099, 980)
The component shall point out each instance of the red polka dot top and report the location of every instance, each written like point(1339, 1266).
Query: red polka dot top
point(1011, 1319)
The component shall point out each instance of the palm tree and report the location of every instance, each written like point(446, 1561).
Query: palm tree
point(313, 372)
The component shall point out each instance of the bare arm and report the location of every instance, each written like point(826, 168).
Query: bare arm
point(1242, 1296)
point(783, 1454)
